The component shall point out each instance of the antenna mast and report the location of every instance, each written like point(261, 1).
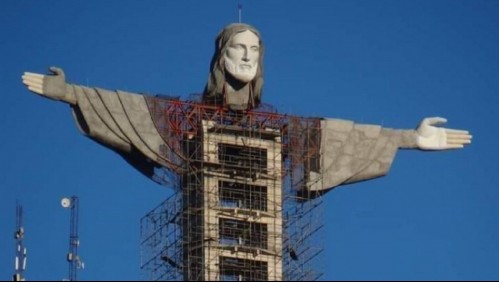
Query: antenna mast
point(20, 261)
point(74, 260)
point(239, 10)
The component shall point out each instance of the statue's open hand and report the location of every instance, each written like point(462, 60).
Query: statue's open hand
point(52, 86)
point(430, 137)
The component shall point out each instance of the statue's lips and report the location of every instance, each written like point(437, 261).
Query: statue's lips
point(245, 67)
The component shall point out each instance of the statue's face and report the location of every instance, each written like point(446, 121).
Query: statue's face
point(241, 56)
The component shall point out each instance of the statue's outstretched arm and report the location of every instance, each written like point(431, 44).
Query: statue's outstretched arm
point(118, 120)
point(431, 137)
point(52, 86)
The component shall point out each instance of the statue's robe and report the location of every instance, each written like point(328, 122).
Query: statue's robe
point(124, 122)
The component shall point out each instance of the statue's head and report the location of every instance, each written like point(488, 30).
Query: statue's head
point(238, 56)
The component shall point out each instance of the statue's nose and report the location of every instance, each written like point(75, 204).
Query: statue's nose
point(245, 56)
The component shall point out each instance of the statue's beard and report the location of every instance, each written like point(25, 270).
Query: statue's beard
point(241, 73)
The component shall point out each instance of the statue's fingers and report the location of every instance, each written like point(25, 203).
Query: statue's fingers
point(56, 71)
point(449, 131)
point(36, 89)
point(458, 141)
point(32, 74)
point(29, 83)
point(457, 133)
point(434, 120)
point(32, 84)
point(454, 146)
point(459, 136)
point(33, 80)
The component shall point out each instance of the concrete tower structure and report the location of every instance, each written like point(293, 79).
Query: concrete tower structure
point(238, 212)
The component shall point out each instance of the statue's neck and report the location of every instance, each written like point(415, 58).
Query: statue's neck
point(237, 95)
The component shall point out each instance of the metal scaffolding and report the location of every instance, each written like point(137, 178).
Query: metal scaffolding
point(240, 209)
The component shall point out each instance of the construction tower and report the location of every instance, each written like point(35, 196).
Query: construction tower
point(240, 210)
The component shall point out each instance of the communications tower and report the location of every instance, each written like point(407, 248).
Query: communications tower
point(75, 263)
point(20, 260)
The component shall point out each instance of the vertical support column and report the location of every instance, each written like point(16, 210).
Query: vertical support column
point(244, 239)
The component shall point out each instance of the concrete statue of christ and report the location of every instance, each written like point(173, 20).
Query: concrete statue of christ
point(122, 121)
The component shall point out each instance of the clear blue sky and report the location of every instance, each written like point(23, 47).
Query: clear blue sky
point(434, 216)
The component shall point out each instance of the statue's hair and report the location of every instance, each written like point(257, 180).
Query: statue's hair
point(214, 89)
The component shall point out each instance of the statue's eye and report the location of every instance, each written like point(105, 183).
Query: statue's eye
point(237, 46)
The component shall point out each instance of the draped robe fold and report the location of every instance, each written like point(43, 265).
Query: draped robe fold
point(123, 122)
